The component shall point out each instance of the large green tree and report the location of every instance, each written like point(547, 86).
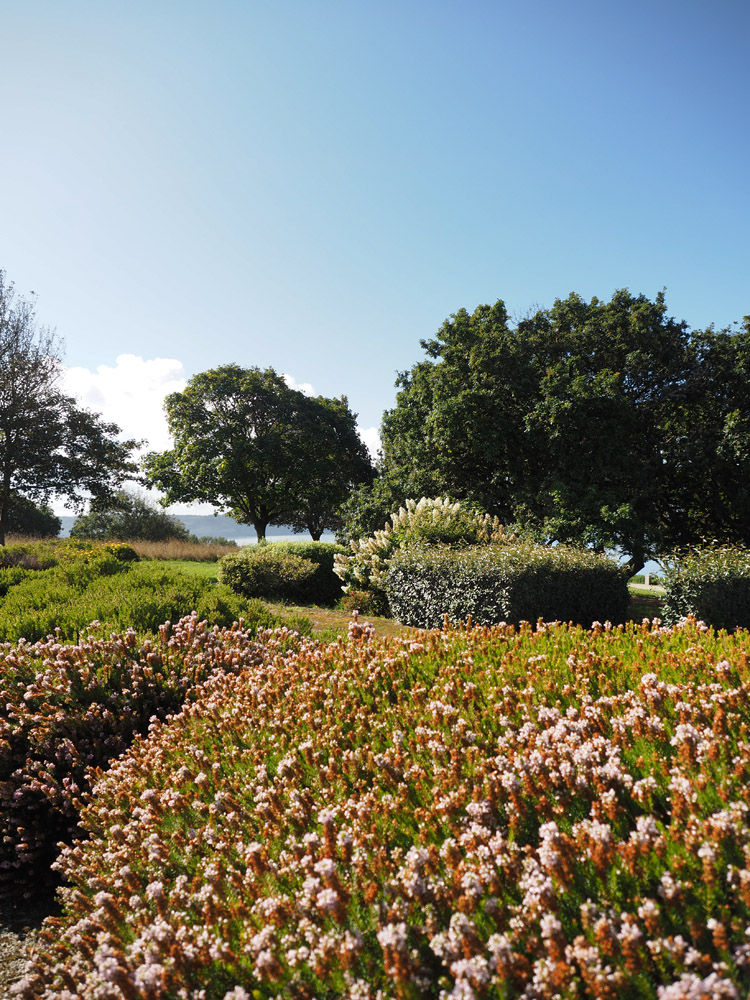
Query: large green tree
point(48, 444)
point(259, 450)
point(336, 461)
point(605, 423)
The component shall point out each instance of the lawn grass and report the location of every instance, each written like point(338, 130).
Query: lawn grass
point(334, 622)
point(204, 570)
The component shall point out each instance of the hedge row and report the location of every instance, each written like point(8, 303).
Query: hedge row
point(504, 583)
point(710, 583)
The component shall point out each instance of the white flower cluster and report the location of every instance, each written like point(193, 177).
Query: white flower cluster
point(429, 520)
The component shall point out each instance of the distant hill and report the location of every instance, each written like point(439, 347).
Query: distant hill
point(205, 524)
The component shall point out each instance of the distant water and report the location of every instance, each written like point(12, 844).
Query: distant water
point(327, 536)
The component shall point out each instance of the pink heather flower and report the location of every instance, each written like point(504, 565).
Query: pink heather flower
point(326, 868)
point(327, 899)
point(550, 926)
point(149, 976)
point(690, 987)
point(392, 936)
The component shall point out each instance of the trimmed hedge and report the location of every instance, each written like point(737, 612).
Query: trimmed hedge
point(711, 583)
point(508, 583)
point(284, 571)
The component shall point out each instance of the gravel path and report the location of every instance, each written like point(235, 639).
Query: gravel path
point(11, 958)
point(17, 930)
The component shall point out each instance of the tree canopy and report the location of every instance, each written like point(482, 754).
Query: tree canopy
point(32, 520)
point(128, 516)
point(259, 450)
point(605, 423)
point(48, 444)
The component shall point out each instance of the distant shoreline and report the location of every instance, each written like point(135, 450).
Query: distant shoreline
point(221, 526)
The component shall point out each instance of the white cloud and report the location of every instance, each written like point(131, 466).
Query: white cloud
point(131, 394)
point(304, 387)
point(371, 438)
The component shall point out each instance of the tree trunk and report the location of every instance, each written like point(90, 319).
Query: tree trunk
point(260, 529)
point(4, 509)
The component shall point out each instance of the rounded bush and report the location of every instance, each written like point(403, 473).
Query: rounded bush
point(267, 571)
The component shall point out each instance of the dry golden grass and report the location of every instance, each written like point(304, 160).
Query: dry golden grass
point(175, 549)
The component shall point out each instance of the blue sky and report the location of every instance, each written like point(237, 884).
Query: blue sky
point(317, 186)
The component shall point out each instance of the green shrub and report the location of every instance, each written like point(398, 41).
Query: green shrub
point(424, 522)
point(710, 582)
point(122, 551)
point(367, 602)
point(27, 556)
point(508, 583)
point(300, 572)
point(10, 576)
point(65, 599)
point(324, 587)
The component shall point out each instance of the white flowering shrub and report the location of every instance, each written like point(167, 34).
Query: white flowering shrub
point(436, 521)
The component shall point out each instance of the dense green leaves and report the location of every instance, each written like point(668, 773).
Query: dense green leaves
point(262, 452)
point(603, 423)
point(127, 516)
point(712, 583)
point(512, 582)
point(33, 520)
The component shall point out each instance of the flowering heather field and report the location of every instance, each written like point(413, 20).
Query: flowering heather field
point(487, 813)
point(65, 708)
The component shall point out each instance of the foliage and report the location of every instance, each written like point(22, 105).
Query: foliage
point(66, 709)
point(48, 445)
point(101, 584)
point(270, 572)
point(215, 540)
point(711, 583)
point(594, 422)
point(262, 452)
point(464, 814)
point(336, 461)
point(504, 583)
point(369, 506)
point(324, 586)
point(32, 520)
point(425, 521)
point(129, 516)
point(43, 554)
